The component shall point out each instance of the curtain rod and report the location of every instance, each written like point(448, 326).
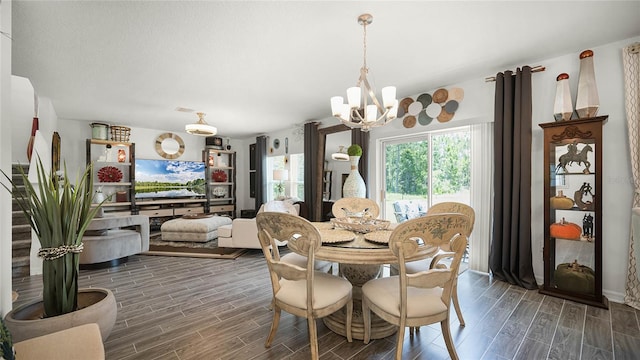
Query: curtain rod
point(634, 48)
point(535, 69)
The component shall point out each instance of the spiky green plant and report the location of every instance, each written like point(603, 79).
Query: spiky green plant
point(59, 213)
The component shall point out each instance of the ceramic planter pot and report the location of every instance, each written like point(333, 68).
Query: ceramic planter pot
point(97, 305)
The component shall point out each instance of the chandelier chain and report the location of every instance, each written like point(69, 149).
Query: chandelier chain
point(364, 47)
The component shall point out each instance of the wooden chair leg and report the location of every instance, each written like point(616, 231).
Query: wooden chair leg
point(366, 319)
point(446, 333)
point(456, 303)
point(349, 320)
point(400, 340)
point(313, 338)
point(274, 326)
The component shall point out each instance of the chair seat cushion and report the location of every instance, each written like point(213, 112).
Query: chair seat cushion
point(299, 260)
point(385, 292)
point(328, 290)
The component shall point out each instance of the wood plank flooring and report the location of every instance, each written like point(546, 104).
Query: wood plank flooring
point(188, 308)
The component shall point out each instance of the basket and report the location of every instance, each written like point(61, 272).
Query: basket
point(359, 224)
point(120, 133)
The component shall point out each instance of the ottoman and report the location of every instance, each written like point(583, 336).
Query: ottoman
point(196, 230)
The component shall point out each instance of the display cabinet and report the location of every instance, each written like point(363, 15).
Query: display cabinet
point(113, 173)
point(573, 210)
point(221, 181)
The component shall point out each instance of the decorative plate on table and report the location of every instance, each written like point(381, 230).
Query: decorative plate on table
point(109, 174)
point(381, 237)
point(335, 236)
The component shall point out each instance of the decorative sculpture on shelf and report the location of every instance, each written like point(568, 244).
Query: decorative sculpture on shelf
point(573, 155)
point(579, 195)
point(587, 227)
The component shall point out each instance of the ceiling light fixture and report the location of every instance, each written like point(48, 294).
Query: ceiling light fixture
point(340, 155)
point(357, 113)
point(201, 128)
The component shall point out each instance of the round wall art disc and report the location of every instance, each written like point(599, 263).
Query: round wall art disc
point(433, 110)
point(451, 106)
point(425, 100)
point(445, 116)
point(456, 94)
point(440, 96)
point(414, 108)
point(403, 106)
point(424, 119)
point(409, 122)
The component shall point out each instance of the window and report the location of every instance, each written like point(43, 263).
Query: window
point(428, 169)
point(291, 185)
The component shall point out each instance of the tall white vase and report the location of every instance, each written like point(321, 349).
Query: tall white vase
point(562, 108)
point(354, 185)
point(587, 101)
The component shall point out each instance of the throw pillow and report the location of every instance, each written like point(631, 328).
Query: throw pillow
point(6, 345)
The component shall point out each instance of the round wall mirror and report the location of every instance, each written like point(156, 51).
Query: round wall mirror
point(169, 146)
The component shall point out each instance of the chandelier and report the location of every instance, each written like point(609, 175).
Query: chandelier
point(357, 112)
point(201, 128)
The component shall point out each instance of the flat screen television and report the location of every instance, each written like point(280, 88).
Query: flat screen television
point(169, 179)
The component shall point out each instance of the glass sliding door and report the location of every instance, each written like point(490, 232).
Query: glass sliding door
point(423, 170)
point(406, 169)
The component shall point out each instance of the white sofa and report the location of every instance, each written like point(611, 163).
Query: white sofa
point(243, 233)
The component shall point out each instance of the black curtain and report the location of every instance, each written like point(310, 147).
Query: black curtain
point(310, 167)
point(362, 138)
point(261, 170)
point(510, 256)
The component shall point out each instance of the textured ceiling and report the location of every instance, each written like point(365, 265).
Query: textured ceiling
point(258, 67)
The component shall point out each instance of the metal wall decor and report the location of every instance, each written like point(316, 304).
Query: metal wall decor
point(442, 105)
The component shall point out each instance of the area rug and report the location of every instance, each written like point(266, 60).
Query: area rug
point(208, 249)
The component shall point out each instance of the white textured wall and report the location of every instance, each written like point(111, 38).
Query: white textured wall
point(5, 159)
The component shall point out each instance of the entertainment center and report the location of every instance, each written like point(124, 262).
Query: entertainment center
point(162, 189)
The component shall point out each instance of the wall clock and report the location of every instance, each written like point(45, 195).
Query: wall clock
point(169, 146)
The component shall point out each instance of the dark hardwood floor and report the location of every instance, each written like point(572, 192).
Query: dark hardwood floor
point(189, 308)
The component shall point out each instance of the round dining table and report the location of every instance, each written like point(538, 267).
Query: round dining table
point(360, 257)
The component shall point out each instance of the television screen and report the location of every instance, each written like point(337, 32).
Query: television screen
point(169, 179)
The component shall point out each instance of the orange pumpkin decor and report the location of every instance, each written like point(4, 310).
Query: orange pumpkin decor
point(565, 230)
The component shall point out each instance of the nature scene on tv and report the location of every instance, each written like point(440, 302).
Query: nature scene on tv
point(169, 179)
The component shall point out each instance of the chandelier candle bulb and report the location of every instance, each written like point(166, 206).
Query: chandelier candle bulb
point(354, 95)
point(372, 113)
point(337, 103)
point(388, 96)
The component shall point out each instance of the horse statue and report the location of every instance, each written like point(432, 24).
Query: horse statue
point(573, 155)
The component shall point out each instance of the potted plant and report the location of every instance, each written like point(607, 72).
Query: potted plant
point(354, 150)
point(59, 212)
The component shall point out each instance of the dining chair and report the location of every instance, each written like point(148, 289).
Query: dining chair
point(301, 291)
point(412, 300)
point(421, 265)
point(359, 207)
